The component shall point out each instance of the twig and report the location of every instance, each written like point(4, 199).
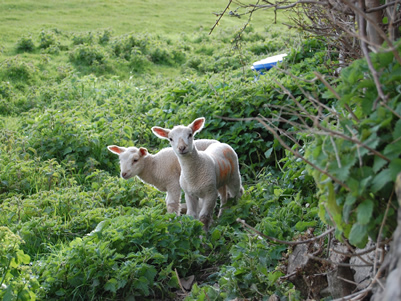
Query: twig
point(336, 152)
point(328, 86)
point(347, 280)
point(290, 243)
point(381, 230)
point(377, 28)
point(339, 263)
point(361, 253)
point(179, 281)
point(288, 276)
point(221, 16)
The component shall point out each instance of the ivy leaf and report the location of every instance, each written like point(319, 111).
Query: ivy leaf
point(364, 212)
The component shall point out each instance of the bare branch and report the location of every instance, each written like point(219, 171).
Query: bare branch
point(285, 242)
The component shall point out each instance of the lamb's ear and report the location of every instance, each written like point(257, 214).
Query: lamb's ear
point(197, 124)
point(143, 151)
point(160, 132)
point(116, 149)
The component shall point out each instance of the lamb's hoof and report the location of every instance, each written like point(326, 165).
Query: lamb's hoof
point(173, 209)
point(183, 208)
point(206, 220)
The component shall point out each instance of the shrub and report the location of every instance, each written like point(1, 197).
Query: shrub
point(47, 39)
point(360, 150)
point(15, 69)
point(25, 44)
point(88, 55)
point(86, 38)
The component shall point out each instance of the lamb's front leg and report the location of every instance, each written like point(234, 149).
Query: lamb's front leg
point(192, 205)
point(173, 200)
point(206, 213)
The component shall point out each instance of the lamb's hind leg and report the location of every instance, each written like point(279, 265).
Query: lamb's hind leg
point(223, 199)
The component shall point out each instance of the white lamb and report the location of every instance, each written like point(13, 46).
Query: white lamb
point(204, 174)
point(161, 170)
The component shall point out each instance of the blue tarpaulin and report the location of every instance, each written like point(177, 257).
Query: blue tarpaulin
point(267, 63)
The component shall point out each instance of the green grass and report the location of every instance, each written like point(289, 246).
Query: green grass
point(172, 17)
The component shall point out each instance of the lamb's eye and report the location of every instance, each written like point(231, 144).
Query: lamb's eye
point(135, 160)
point(171, 139)
point(190, 135)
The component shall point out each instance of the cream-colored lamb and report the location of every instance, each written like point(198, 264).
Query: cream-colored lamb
point(161, 170)
point(204, 174)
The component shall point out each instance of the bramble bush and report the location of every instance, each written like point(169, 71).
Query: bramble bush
point(361, 150)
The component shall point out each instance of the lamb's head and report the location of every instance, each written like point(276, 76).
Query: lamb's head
point(181, 137)
point(131, 159)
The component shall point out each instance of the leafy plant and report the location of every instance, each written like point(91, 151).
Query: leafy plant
point(16, 279)
point(361, 154)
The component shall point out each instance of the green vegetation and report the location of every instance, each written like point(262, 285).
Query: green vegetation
point(71, 229)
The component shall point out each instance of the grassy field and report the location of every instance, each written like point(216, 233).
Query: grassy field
point(171, 17)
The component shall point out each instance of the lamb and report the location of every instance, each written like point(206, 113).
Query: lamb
point(161, 170)
point(204, 174)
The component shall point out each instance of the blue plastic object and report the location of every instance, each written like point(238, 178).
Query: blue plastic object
point(268, 63)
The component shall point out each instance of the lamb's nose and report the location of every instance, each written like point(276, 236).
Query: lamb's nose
point(182, 148)
point(123, 174)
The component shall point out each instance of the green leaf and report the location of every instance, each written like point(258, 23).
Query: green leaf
point(395, 168)
point(22, 257)
point(378, 163)
point(381, 179)
point(358, 235)
point(216, 234)
point(24, 295)
point(397, 130)
point(67, 151)
point(111, 285)
point(331, 201)
point(268, 153)
point(393, 150)
point(303, 225)
point(142, 284)
point(364, 212)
